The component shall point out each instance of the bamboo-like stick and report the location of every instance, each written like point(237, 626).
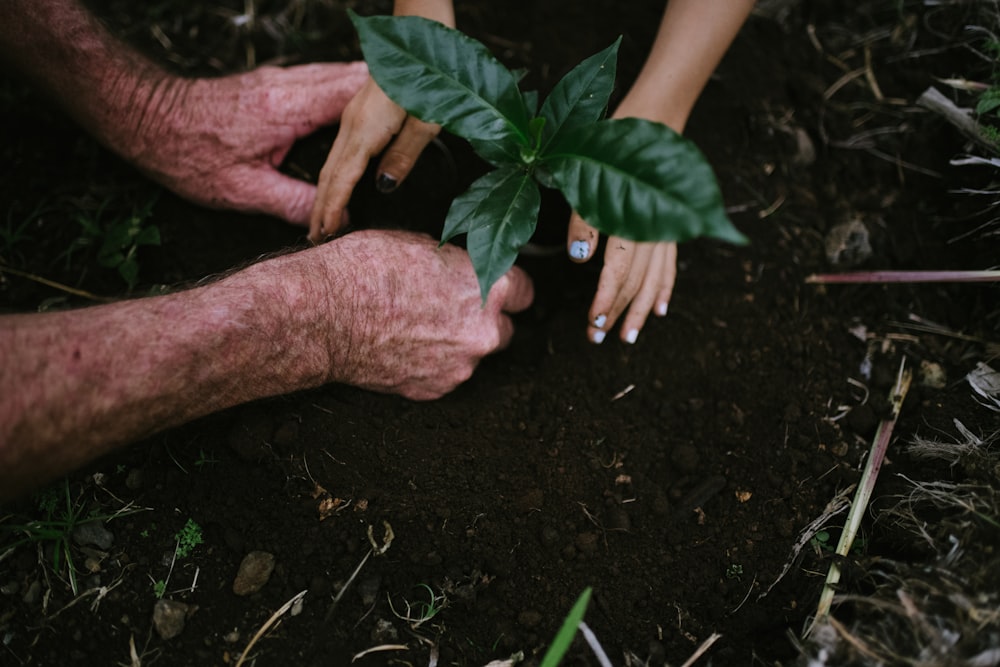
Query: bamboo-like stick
point(864, 492)
point(905, 277)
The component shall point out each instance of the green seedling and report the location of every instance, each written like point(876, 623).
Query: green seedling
point(117, 236)
point(632, 178)
point(418, 613)
point(188, 538)
point(59, 515)
point(185, 540)
point(823, 542)
point(734, 571)
point(204, 459)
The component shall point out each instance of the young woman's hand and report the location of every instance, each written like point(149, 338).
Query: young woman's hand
point(369, 123)
point(692, 38)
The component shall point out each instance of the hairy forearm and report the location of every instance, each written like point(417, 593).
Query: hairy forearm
point(79, 383)
point(693, 37)
point(109, 89)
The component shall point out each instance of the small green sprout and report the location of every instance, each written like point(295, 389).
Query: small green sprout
point(204, 459)
point(418, 613)
point(188, 538)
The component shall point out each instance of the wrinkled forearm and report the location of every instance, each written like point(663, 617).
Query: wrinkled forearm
point(79, 383)
point(112, 91)
point(692, 38)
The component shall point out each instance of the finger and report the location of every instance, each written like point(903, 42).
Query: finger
point(621, 276)
point(344, 167)
point(513, 293)
point(581, 240)
point(669, 279)
point(403, 153)
point(342, 171)
point(273, 193)
point(645, 298)
point(370, 122)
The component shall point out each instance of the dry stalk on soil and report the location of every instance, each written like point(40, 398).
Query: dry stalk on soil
point(941, 607)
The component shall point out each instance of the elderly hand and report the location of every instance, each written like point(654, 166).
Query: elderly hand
point(416, 325)
point(219, 142)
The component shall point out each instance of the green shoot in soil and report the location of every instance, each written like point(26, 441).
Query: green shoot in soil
point(188, 538)
point(59, 516)
point(564, 637)
point(628, 177)
point(117, 235)
point(418, 613)
point(185, 540)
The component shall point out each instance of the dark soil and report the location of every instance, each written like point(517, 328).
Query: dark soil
point(672, 476)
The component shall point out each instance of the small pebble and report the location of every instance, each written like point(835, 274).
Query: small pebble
point(93, 533)
point(169, 617)
point(254, 572)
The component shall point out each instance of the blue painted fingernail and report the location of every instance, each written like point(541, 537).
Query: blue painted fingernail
point(600, 321)
point(632, 335)
point(386, 183)
point(598, 337)
point(579, 250)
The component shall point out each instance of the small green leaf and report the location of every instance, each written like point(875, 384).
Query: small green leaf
point(441, 76)
point(581, 97)
point(499, 212)
point(640, 180)
point(988, 101)
point(148, 236)
point(111, 259)
point(129, 271)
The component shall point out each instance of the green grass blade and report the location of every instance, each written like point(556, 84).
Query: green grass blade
point(564, 637)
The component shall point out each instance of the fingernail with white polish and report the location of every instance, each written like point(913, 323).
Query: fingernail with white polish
point(632, 335)
point(661, 308)
point(600, 321)
point(598, 336)
point(579, 249)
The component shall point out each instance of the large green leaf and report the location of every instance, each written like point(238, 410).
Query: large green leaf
point(499, 212)
point(639, 180)
point(442, 76)
point(581, 97)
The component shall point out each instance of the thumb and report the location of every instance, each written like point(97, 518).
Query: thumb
point(514, 291)
point(581, 240)
point(272, 193)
